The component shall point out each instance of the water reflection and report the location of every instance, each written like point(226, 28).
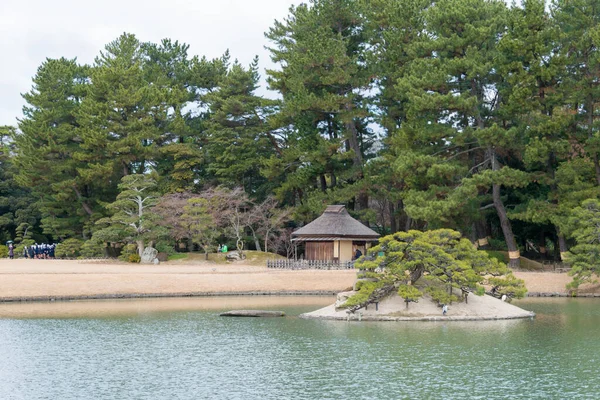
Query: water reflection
point(181, 348)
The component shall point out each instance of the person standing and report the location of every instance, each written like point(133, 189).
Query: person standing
point(444, 309)
point(11, 251)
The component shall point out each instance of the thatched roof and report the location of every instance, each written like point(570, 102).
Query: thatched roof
point(335, 224)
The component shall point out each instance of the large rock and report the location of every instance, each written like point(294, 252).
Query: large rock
point(252, 313)
point(234, 256)
point(148, 255)
point(342, 297)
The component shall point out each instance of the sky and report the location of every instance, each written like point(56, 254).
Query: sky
point(33, 30)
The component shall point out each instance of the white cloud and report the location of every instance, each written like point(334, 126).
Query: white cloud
point(33, 30)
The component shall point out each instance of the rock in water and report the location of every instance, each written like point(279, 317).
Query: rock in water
point(148, 255)
point(252, 313)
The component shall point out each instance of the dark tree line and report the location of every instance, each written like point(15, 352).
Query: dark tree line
point(463, 114)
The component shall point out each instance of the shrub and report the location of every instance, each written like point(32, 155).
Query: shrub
point(19, 248)
point(70, 248)
point(128, 250)
point(4, 251)
point(164, 247)
point(134, 258)
point(92, 248)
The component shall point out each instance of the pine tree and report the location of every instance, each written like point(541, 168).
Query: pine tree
point(132, 217)
point(322, 79)
point(237, 134)
point(119, 115)
point(46, 149)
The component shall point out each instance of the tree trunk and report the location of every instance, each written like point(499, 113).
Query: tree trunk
point(509, 237)
point(85, 206)
point(482, 235)
point(542, 245)
point(256, 242)
point(562, 245)
point(408, 224)
point(140, 246)
point(323, 183)
point(393, 226)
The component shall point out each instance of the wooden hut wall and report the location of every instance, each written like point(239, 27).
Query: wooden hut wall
point(319, 250)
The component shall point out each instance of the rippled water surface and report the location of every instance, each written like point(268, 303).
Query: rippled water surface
point(163, 350)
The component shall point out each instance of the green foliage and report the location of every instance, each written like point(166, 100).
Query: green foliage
point(178, 256)
point(3, 251)
point(92, 249)
point(584, 257)
point(200, 223)
point(441, 258)
point(19, 248)
point(70, 248)
point(132, 219)
point(441, 296)
point(409, 293)
point(134, 258)
point(128, 252)
point(473, 115)
point(498, 255)
point(165, 247)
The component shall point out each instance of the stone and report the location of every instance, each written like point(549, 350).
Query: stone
point(162, 257)
point(342, 297)
point(252, 313)
point(148, 255)
point(234, 256)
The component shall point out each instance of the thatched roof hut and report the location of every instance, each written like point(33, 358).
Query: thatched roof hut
point(335, 235)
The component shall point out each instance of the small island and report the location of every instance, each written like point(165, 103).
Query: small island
point(432, 276)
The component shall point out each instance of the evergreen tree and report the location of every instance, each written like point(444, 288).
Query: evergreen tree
point(434, 262)
point(322, 79)
point(46, 148)
point(119, 115)
point(453, 136)
point(132, 220)
point(585, 256)
point(237, 134)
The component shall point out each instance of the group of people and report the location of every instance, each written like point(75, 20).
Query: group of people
point(222, 248)
point(39, 251)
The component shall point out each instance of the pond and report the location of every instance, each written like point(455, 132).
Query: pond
point(182, 349)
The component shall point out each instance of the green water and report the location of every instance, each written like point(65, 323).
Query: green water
point(194, 354)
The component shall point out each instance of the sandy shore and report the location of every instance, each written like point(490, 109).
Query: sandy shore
point(59, 279)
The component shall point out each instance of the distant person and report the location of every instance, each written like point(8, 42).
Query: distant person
point(357, 254)
point(503, 297)
point(444, 309)
point(25, 253)
point(11, 251)
point(31, 252)
point(219, 248)
point(224, 248)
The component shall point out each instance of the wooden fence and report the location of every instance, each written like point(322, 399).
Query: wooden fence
point(309, 264)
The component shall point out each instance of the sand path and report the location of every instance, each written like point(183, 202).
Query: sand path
point(35, 279)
